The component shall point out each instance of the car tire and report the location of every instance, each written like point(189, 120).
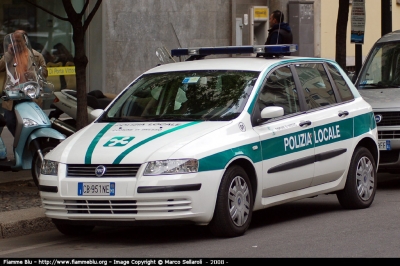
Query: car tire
point(361, 183)
point(74, 230)
point(37, 163)
point(234, 206)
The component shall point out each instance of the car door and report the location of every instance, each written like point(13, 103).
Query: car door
point(286, 141)
point(331, 118)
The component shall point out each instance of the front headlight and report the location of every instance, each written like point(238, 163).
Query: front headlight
point(49, 168)
point(31, 90)
point(29, 122)
point(170, 167)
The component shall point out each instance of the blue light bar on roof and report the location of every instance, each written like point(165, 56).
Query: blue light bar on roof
point(258, 49)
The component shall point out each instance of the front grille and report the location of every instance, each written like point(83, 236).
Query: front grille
point(112, 170)
point(389, 156)
point(389, 134)
point(389, 118)
point(101, 206)
point(119, 206)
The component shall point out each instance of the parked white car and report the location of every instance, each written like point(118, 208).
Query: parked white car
point(209, 141)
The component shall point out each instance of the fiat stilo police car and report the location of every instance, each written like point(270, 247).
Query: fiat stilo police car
point(210, 140)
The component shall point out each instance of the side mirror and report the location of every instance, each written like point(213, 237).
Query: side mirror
point(271, 112)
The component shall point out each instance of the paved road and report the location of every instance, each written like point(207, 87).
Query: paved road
point(316, 227)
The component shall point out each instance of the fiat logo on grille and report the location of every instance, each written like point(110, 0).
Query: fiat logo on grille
point(100, 170)
point(378, 118)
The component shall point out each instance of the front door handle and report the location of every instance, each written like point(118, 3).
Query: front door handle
point(305, 123)
point(343, 114)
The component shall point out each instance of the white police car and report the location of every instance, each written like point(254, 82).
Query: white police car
point(209, 141)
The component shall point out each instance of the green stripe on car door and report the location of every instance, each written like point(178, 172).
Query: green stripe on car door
point(275, 147)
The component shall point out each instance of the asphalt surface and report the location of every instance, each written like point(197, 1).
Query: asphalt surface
point(20, 206)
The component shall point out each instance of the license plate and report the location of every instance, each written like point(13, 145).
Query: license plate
point(96, 189)
point(384, 145)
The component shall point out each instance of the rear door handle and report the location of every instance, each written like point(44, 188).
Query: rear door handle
point(343, 114)
point(305, 123)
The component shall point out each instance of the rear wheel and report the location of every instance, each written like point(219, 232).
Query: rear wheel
point(234, 206)
point(74, 230)
point(361, 183)
point(37, 162)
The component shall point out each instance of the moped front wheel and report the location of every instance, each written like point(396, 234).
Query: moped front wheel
point(37, 162)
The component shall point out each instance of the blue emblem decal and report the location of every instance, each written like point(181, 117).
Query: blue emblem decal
point(100, 170)
point(378, 118)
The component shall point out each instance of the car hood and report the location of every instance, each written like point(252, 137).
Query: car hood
point(130, 143)
point(382, 98)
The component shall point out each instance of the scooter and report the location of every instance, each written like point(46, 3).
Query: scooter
point(34, 136)
point(65, 102)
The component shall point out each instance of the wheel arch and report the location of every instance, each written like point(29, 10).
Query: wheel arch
point(251, 172)
point(370, 144)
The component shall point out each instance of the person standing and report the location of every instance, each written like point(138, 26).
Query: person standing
point(279, 32)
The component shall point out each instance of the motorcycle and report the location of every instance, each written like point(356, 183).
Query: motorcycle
point(65, 102)
point(34, 134)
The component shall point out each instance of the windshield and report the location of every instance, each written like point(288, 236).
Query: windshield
point(184, 96)
point(382, 70)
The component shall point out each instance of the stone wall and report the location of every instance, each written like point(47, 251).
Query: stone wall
point(134, 29)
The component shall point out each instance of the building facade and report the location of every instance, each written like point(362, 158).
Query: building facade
point(124, 35)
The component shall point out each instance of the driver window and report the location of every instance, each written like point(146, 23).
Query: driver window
point(279, 90)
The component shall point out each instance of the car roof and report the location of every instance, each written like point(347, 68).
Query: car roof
point(390, 37)
point(232, 63)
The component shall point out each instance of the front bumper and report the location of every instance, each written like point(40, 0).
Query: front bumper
point(390, 159)
point(188, 197)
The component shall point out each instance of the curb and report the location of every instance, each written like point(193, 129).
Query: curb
point(24, 222)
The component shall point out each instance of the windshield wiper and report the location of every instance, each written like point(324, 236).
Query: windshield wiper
point(175, 118)
point(375, 85)
point(379, 85)
point(119, 119)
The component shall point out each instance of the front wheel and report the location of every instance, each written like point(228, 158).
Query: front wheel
point(37, 162)
point(361, 183)
point(234, 206)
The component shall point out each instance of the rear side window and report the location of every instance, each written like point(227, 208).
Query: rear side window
point(344, 90)
point(317, 88)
